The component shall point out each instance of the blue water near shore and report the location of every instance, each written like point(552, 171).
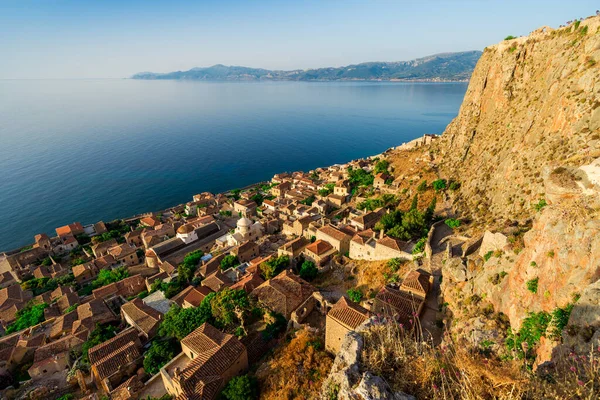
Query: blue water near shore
point(90, 150)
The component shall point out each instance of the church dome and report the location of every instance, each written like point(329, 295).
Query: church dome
point(185, 229)
point(244, 223)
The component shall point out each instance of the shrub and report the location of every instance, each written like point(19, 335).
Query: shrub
point(532, 285)
point(439, 184)
point(532, 329)
point(540, 205)
point(452, 223)
point(30, 315)
point(510, 37)
point(308, 271)
point(229, 261)
point(488, 255)
point(272, 267)
point(355, 295)
point(454, 185)
point(422, 186)
point(243, 387)
point(420, 246)
point(160, 353)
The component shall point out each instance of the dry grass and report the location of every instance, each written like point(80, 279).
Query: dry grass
point(297, 370)
point(453, 372)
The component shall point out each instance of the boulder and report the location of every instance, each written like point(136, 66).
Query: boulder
point(492, 242)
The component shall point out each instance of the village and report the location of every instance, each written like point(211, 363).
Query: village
point(177, 303)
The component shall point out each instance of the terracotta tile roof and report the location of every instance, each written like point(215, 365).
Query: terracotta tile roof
point(96, 310)
point(363, 236)
point(284, 293)
point(249, 282)
point(179, 297)
point(319, 247)
point(149, 221)
point(367, 218)
point(246, 203)
point(125, 287)
point(348, 313)
point(58, 346)
point(167, 267)
point(121, 251)
point(99, 352)
point(216, 352)
point(71, 229)
point(211, 265)
point(120, 357)
point(417, 282)
point(8, 314)
point(103, 247)
point(197, 294)
point(334, 232)
point(296, 244)
point(244, 247)
point(216, 281)
point(401, 303)
point(67, 300)
point(395, 244)
point(60, 291)
point(127, 389)
point(144, 317)
point(13, 294)
point(63, 324)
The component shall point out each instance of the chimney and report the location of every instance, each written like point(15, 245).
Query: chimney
point(374, 234)
point(381, 234)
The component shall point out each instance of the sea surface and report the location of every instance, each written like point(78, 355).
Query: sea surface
point(90, 150)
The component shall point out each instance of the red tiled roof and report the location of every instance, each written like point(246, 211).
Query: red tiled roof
point(284, 293)
point(197, 294)
point(145, 317)
point(417, 282)
point(319, 247)
point(348, 313)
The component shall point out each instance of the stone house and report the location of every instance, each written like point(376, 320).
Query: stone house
point(73, 229)
point(209, 359)
point(246, 251)
point(335, 200)
point(342, 188)
point(281, 189)
point(345, 316)
point(142, 317)
point(339, 237)
point(124, 254)
point(245, 208)
point(319, 252)
point(367, 220)
point(115, 359)
point(195, 296)
point(365, 246)
point(381, 179)
point(248, 282)
point(297, 227)
point(55, 356)
point(101, 249)
point(284, 293)
point(293, 248)
point(130, 286)
point(134, 238)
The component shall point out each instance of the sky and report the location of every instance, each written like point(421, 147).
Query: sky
point(115, 39)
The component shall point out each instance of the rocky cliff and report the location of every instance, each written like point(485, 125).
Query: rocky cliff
point(525, 148)
point(532, 102)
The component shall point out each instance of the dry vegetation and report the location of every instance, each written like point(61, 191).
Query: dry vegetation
point(453, 372)
point(297, 369)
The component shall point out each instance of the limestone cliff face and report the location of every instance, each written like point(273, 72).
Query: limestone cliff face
point(529, 129)
point(532, 102)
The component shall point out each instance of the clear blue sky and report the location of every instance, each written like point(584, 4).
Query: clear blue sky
point(113, 39)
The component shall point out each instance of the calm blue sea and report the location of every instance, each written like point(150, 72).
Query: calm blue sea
point(90, 150)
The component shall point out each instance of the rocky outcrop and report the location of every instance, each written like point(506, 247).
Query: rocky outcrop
point(347, 381)
point(532, 102)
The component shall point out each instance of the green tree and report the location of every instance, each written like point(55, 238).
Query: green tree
point(430, 211)
point(381, 166)
point(273, 328)
point(180, 322)
point(229, 261)
point(422, 186)
point(192, 259)
point(231, 307)
point(415, 202)
point(271, 268)
point(160, 353)
point(439, 184)
point(355, 295)
point(243, 387)
point(106, 276)
point(100, 334)
point(452, 223)
point(30, 315)
point(308, 270)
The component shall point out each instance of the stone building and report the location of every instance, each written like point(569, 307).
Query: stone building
point(344, 316)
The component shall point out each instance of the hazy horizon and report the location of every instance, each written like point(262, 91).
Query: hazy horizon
point(110, 39)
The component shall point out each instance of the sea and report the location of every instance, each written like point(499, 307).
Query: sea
point(101, 149)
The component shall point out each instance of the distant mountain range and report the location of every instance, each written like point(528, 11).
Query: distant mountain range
point(438, 67)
